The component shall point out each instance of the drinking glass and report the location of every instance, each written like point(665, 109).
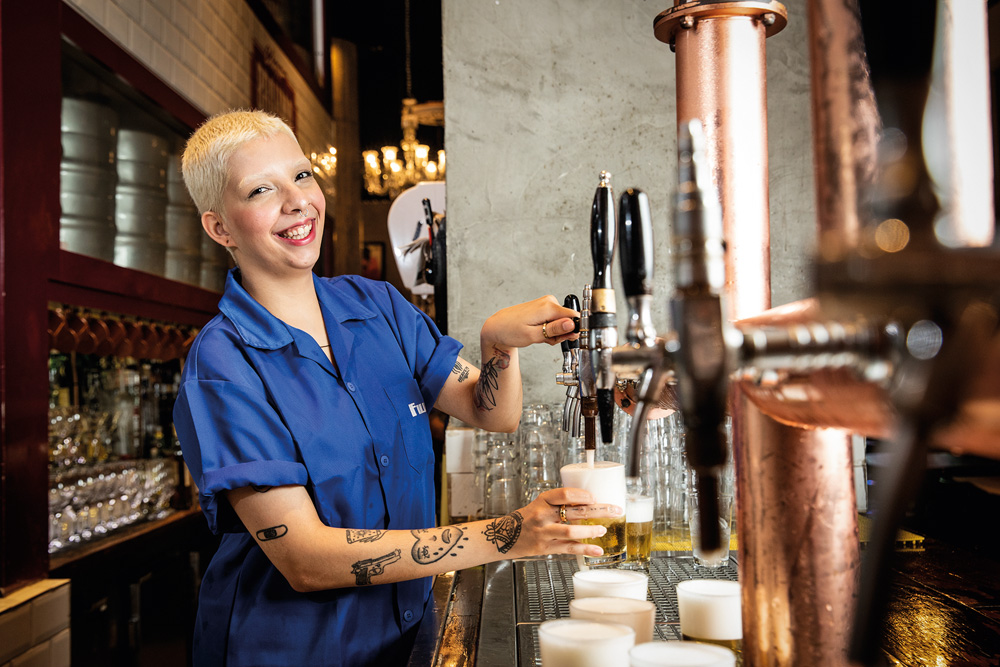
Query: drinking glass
point(570, 642)
point(606, 482)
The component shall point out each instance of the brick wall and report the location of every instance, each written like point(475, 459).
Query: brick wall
point(202, 48)
point(34, 625)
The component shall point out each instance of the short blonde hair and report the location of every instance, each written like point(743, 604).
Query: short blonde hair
point(205, 164)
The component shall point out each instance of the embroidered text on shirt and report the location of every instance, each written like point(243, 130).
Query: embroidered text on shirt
point(417, 409)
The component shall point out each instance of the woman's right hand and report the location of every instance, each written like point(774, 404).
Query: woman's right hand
point(542, 531)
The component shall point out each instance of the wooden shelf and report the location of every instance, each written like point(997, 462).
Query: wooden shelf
point(85, 281)
point(124, 537)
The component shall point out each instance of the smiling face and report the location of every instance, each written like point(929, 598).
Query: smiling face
point(273, 209)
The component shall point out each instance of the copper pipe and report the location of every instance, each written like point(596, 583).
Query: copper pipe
point(798, 541)
point(846, 123)
point(721, 81)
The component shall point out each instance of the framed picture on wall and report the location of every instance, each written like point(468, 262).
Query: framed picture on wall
point(373, 260)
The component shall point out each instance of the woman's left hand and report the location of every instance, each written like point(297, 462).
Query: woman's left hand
point(542, 320)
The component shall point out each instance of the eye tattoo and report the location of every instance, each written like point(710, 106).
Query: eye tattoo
point(434, 544)
point(260, 488)
point(356, 536)
point(461, 371)
point(504, 531)
point(272, 533)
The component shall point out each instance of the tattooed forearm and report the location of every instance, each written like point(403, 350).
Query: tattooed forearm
point(364, 570)
point(355, 536)
point(272, 533)
point(433, 544)
point(461, 370)
point(485, 398)
point(504, 531)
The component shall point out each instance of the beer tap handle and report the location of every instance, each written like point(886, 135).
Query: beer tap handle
point(636, 247)
point(696, 310)
point(570, 375)
point(603, 326)
point(636, 254)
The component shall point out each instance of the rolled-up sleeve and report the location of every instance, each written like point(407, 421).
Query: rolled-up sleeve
point(231, 438)
point(430, 353)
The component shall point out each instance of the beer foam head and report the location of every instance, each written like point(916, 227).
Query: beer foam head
point(639, 509)
point(575, 630)
point(605, 480)
point(680, 654)
point(710, 609)
point(610, 583)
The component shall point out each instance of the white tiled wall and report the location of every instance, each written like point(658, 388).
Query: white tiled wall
point(202, 49)
point(34, 626)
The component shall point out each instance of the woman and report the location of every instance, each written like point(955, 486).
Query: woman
point(303, 417)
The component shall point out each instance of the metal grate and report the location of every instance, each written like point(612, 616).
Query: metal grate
point(543, 589)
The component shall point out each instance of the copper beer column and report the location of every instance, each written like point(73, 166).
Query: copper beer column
point(721, 81)
point(798, 585)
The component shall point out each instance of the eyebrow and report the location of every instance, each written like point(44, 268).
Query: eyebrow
point(304, 163)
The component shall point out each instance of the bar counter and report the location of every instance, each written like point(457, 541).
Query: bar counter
point(945, 608)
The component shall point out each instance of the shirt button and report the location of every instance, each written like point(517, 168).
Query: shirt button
point(407, 615)
point(384, 460)
point(351, 387)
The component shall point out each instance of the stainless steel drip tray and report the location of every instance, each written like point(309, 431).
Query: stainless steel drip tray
point(543, 588)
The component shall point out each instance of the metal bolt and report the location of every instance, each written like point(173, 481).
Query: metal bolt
point(687, 22)
point(768, 19)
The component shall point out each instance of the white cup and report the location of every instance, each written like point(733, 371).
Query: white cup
point(710, 611)
point(680, 654)
point(569, 642)
point(610, 583)
point(637, 614)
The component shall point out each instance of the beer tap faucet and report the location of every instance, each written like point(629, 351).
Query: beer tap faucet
point(602, 326)
point(701, 359)
point(570, 377)
point(642, 358)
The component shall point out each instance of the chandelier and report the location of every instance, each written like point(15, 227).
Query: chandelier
point(390, 174)
point(399, 168)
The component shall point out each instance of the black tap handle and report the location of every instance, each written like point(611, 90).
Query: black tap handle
point(572, 302)
point(603, 232)
point(636, 247)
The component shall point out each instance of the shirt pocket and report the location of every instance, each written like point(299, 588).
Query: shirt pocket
point(414, 423)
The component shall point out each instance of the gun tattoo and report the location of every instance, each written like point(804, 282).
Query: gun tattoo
point(485, 398)
point(504, 531)
point(355, 536)
point(461, 371)
point(433, 544)
point(364, 570)
point(272, 533)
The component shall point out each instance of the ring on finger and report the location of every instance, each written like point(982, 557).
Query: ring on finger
point(562, 514)
point(545, 334)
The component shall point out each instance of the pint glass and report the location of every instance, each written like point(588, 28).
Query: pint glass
point(606, 482)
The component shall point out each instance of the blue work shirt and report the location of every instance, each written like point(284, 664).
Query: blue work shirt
point(260, 404)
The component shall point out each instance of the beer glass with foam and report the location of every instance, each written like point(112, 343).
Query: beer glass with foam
point(710, 612)
point(571, 642)
point(638, 531)
point(606, 482)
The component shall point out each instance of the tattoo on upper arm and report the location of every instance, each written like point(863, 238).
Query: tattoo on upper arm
point(367, 568)
point(355, 536)
point(485, 398)
point(272, 533)
point(433, 544)
point(504, 531)
point(461, 370)
point(260, 488)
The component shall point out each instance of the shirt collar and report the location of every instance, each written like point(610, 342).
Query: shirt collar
point(259, 328)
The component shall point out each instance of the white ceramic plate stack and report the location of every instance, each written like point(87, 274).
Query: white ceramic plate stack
point(141, 201)
point(87, 178)
point(183, 229)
